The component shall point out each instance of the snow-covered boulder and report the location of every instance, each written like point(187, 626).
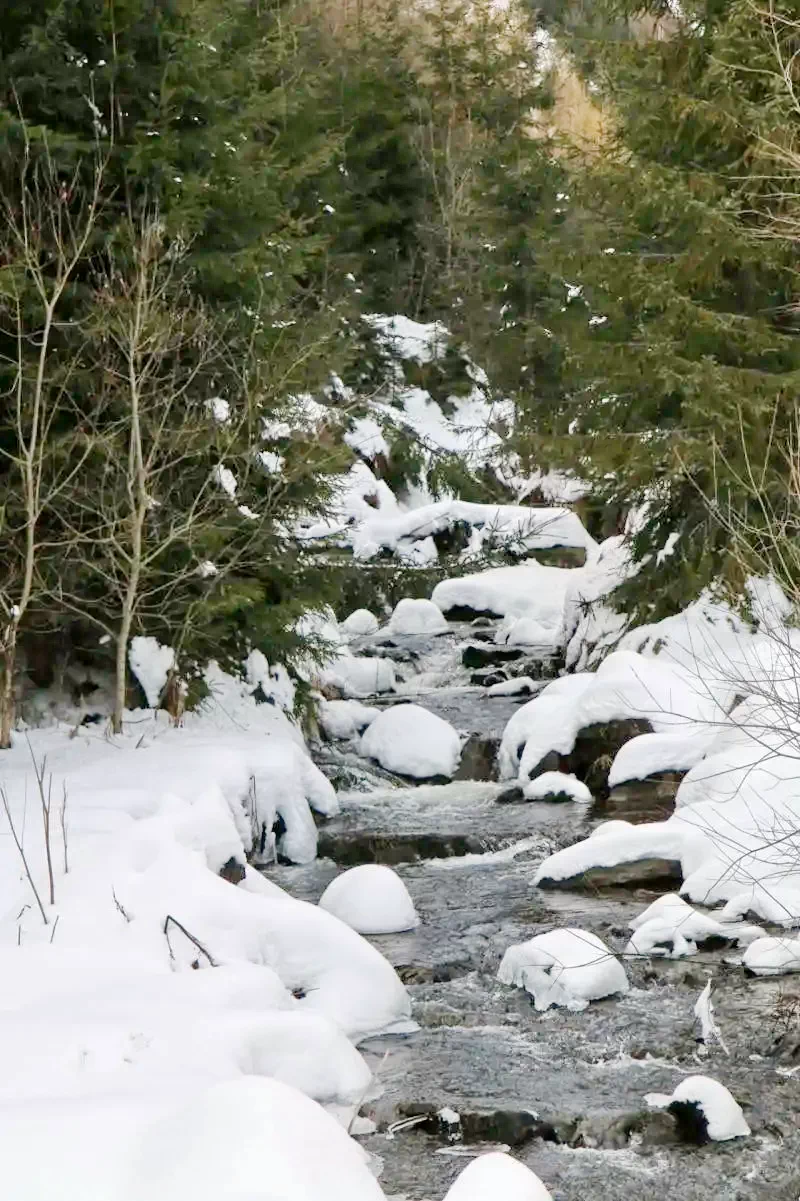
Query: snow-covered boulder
point(345, 719)
point(568, 967)
point(520, 686)
point(371, 899)
point(773, 956)
point(247, 1139)
point(704, 1109)
point(556, 786)
point(673, 928)
point(359, 624)
point(359, 677)
point(497, 1177)
point(412, 616)
point(412, 741)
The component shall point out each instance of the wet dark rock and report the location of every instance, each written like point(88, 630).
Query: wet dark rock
point(478, 759)
point(485, 679)
point(488, 656)
point(614, 1132)
point(514, 1127)
point(465, 613)
point(647, 800)
point(453, 539)
point(594, 751)
point(348, 850)
point(510, 796)
point(439, 973)
point(233, 871)
point(654, 872)
point(559, 556)
point(691, 1123)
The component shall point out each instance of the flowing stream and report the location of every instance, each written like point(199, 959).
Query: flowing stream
point(564, 1091)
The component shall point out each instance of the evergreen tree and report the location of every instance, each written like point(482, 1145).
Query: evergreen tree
point(675, 320)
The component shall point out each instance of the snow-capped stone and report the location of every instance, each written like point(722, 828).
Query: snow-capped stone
point(151, 663)
point(412, 741)
point(568, 967)
point(345, 719)
point(497, 1177)
point(359, 677)
point(721, 1114)
point(360, 623)
point(520, 686)
point(773, 956)
point(371, 899)
point(412, 616)
point(556, 786)
point(223, 1143)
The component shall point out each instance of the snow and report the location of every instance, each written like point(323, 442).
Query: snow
point(517, 526)
point(366, 438)
point(360, 623)
point(371, 899)
point(497, 1177)
point(112, 1043)
point(673, 928)
point(516, 687)
point(723, 1115)
point(249, 1140)
point(226, 479)
point(417, 617)
point(151, 663)
point(526, 590)
point(556, 784)
point(220, 410)
point(649, 754)
point(359, 677)
point(626, 685)
point(345, 719)
point(773, 956)
point(569, 967)
point(412, 741)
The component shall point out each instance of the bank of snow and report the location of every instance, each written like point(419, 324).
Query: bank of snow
point(156, 980)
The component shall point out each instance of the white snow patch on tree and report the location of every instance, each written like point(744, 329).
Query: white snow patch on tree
point(497, 1177)
point(569, 967)
point(371, 899)
point(412, 741)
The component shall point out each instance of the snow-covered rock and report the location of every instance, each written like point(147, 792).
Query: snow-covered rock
point(773, 956)
point(151, 663)
point(497, 1177)
point(360, 623)
point(519, 686)
point(719, 1113)
point(526, 590)
point(672, 927)
point(371, 899)
point(567, 967)
point(345, 719)
point(556, 786)
point(417, 617)
point(359, 677)
point(250, 1139)
point(412, 741)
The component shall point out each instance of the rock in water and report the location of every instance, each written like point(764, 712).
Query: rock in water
point(564, 967)
point(703, 1109)
point(412, 741)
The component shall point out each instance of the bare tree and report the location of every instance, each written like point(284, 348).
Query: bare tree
point(46, 223)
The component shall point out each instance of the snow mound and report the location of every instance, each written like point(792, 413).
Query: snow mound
point(250, 1140)
point(527, 590)
point(151, 663)
point(371, 899)
point(673, 928)
point(649, 754)
point(359, 677)
point(360, 624)
point(417, 617)
point(568, 967)
point(345, 719)
point(556, 785)
point(626, 685)
point(723, 1115)
point(773, 956)
point(412, 741)
point(497, 1177)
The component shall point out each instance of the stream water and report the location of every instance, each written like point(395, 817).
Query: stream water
point(564, 1091)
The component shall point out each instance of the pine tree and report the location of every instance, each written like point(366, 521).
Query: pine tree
point(675, 319)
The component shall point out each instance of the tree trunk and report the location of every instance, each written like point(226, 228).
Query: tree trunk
point(7, 687)
point(121, 672)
